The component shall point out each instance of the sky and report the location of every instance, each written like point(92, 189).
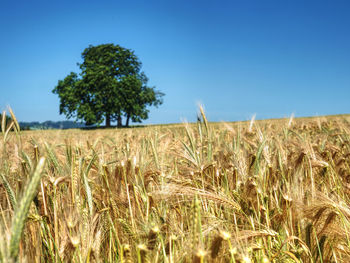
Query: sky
point(236, 57)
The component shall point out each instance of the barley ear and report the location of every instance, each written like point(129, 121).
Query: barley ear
point(9, 191)
point(14, 120)
point(88, 193)
point(199, 256)
point(217, 242)
point(308, 235)
point(3, 122)
point(215, 246)
point(152, 237)
point(23, 209)
point(142, 256)
point(126, 254)
point(204, 119)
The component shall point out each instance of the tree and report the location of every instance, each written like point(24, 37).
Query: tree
point(110, 86)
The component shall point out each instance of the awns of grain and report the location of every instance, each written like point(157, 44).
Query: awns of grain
point(259, 191)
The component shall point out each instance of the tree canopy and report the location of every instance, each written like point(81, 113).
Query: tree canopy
point(109, 87)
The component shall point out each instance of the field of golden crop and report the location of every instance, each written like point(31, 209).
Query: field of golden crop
point(264, 191)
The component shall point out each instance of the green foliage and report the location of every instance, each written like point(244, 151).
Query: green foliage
point(110, 86)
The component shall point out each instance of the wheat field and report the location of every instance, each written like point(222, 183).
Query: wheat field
point(259, 191)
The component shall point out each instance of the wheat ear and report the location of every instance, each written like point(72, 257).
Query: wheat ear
point(23, 209)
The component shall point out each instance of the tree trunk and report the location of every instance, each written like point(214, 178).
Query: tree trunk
point(119, 121)
point(127, 120)
point(108, 120)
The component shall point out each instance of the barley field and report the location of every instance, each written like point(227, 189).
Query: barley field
point(259, 191)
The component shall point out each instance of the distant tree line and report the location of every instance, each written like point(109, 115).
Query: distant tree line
point(35, 125)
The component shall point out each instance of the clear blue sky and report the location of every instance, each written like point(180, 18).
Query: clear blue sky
point(272, 58)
